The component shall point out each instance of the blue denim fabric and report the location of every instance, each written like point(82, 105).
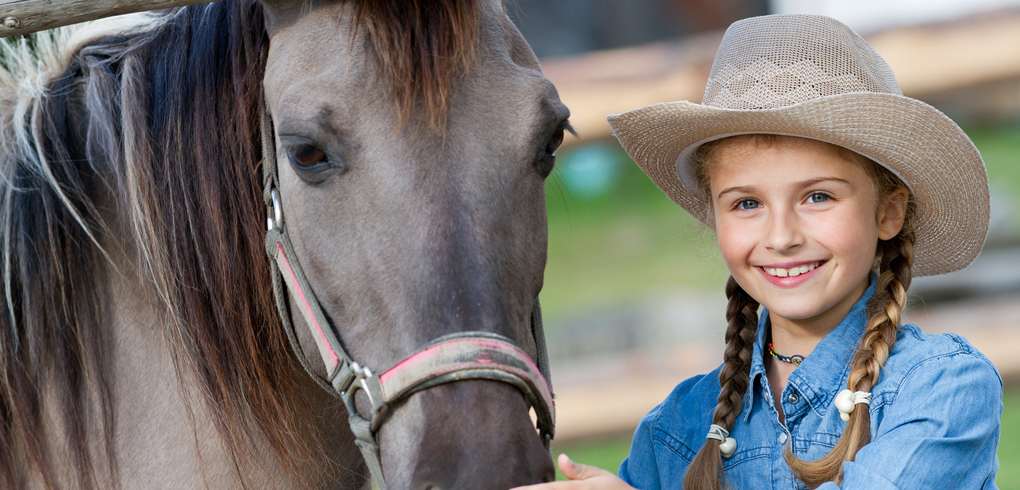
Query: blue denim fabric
point(934, 418)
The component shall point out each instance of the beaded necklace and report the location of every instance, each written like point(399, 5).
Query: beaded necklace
point(795, 359)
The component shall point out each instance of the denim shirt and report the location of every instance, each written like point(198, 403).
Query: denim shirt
point(935, 416)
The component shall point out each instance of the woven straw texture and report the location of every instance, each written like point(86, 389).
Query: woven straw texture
point(813, 77)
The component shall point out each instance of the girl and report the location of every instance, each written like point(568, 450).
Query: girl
point(828, 191)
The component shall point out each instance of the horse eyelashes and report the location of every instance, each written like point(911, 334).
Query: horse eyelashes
point(554, 142)
point(547, 160)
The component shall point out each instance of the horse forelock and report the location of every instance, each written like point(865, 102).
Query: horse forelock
point(421, 46)
point(170, 114)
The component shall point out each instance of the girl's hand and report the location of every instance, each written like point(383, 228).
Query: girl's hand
point(582, 477)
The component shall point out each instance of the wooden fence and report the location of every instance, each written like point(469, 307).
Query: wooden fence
point(20, 17)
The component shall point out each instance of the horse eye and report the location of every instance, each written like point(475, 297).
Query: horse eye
point(306, 155)
point(554, 142)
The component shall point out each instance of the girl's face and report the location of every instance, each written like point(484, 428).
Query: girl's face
point(798, 225)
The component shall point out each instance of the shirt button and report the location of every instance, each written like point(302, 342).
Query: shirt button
point(793, 398)
point(782, 438)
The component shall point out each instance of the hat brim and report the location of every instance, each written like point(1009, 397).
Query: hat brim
point(926, 149)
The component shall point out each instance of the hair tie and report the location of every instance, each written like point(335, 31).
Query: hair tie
point(846, 400)
point(727, 444)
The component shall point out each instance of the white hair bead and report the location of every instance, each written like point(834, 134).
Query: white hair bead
point(846, 400)
point(728, 447)
point(727, 444)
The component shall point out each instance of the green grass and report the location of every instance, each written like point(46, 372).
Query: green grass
point(609, 453)
point(605, 453)
point(1009, 443)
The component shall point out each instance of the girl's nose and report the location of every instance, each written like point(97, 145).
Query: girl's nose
point(783, 234)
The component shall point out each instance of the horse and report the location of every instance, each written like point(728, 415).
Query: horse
point(142, 343)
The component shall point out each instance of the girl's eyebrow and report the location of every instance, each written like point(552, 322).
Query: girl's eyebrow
point(748, 189)
point(819, 180)
point(743, 189)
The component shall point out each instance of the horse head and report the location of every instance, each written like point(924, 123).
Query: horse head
point(413, 142)
point(403, 147)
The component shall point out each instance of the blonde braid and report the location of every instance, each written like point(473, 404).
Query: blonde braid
point(884, 313)
point(885, 310)
point(705, 471)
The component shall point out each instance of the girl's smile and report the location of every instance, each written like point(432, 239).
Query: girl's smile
point(798, 225)
point(792, 274)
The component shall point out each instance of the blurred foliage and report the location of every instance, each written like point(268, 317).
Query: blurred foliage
point(631, 241)
point(609, 453)
point(622, 244)
point(1000, 147)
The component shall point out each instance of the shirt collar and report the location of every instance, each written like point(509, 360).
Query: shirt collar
point(820, 376)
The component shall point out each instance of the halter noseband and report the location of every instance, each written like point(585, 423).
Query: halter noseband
point(456, 357)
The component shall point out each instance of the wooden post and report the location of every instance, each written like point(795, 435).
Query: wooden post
point(19, 17)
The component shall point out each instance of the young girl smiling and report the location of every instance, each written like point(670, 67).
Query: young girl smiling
point(828, 190)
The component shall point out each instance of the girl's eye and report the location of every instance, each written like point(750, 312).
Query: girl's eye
point(748, 204)
point(817, 198)
point(306, 155)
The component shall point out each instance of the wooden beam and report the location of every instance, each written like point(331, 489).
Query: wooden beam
point(19, 17)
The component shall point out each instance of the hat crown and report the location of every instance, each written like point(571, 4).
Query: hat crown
point(781, 60)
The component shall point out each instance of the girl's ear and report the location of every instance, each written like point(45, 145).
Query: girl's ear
point(892, 211)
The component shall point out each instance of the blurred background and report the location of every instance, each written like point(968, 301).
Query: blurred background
point(633, 294)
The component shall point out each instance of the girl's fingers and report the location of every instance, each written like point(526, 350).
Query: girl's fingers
point(582, 477)
point(578, 471)
point(556, 485)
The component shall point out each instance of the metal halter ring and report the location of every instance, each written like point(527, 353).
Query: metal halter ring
point(277, 220)
point(365, 381)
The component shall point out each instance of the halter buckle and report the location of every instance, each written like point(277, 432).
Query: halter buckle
point(369, 383)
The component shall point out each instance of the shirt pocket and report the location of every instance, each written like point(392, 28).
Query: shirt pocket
point(745, 459)
point(815, 445)
point(750, 468)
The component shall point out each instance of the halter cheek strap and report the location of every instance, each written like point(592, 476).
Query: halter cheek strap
point(456, 357)
point(307, 307)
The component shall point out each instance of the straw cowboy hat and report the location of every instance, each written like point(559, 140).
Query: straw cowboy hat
point(813, 77)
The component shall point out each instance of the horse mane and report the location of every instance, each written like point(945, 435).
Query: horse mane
point(163, 120)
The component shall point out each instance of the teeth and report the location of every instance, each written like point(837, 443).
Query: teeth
point(791, 272)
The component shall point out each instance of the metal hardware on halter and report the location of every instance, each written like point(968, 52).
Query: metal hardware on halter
point(365, 381)
point(455, 357)
point(277, 220)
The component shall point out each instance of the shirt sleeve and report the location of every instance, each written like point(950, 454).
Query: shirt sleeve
point(640, 469)
point(940, 431)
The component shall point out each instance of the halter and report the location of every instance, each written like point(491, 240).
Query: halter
point(455, 357)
